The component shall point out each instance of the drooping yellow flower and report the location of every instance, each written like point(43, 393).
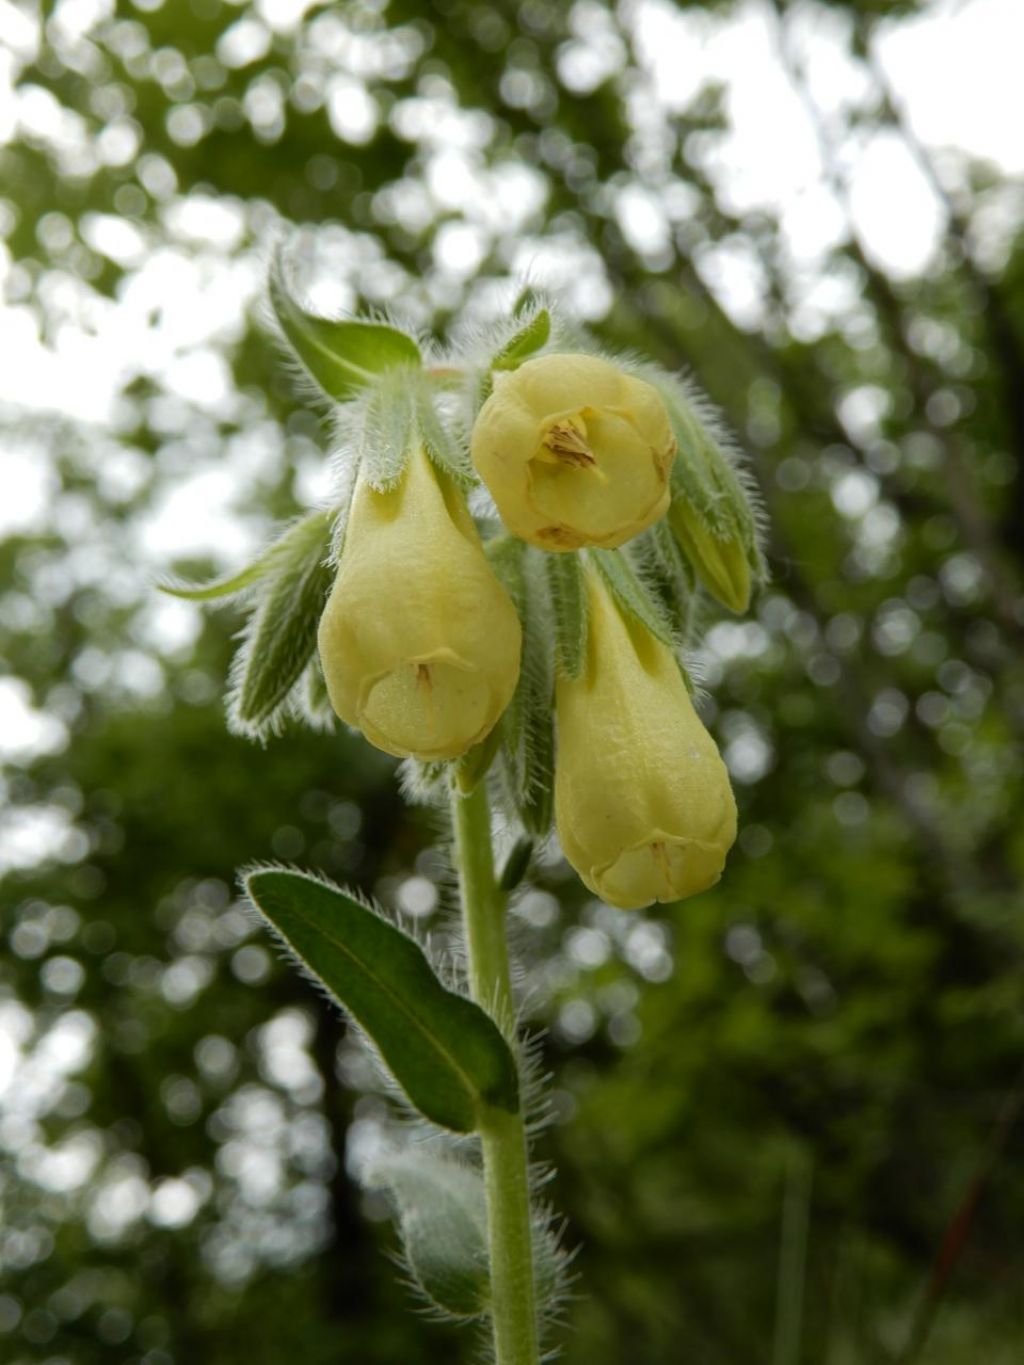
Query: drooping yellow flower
point(721, 564)
point(419, 641)
point(575, 452)
point(643, 805)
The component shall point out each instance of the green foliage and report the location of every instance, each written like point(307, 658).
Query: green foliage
point(667, 568)
point(531, 337)
point(633, 595)
point(714, 500)
point(443, 1050)
point(228, 586)
point(569, 606)
point(385, 428)
point(527, 726)
point(472, 768)
point(343, 357)
point(439, 438)
point(442, 1214)
point(516, 865)
point(280, 639)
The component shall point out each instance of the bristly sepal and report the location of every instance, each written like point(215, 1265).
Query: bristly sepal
point(279, 638)
point(527, 744)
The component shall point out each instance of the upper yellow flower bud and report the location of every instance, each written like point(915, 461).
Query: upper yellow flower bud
point(419, 641)
point(643, 805)
point(722, 565)
point(575, 452)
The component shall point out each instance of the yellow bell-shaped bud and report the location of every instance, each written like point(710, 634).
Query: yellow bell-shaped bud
point(721, 564)
point(419, 641)
point(643, 805)
point(575, 452)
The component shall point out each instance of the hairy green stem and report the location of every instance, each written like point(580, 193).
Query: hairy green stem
point(502, 1135)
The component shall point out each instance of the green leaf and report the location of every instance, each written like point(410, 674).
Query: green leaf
point(387, 432)
point(343, 357)
point(632, 593)
point(233, 584)
point(527, 726)
point(516, 865)
point(281, 636)
point(442, 1212)
point(569, 603)
point(443, 1050)
point(441, 1207)
point(529, 338)
point(673, 574)
point(707, 476)
point(311, 700)
point(229, 586)
point(473, 766)
point(527, 298)
point(439, 439)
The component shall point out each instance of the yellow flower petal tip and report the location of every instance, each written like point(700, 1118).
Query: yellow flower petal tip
point(575, 452)
point(419, 642)
point(643, 805)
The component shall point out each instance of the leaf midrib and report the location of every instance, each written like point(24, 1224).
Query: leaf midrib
point(398, 1001)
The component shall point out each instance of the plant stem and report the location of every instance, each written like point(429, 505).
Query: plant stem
point(502, 1135)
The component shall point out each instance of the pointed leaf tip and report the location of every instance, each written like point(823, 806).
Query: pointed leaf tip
point(524, 342)
point(342, 356)
point(448, 1056)
point(281, 636)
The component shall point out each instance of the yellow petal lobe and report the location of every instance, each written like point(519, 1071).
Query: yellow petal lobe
point(574, 451)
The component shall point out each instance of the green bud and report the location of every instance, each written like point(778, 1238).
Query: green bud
point(721, 563)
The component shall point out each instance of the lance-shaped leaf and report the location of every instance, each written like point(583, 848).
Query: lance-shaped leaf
point(632, 593)
point(569, 603)
point(309, 701)
point(516, 865)
point(530, 337)
point(442, 1212)
point(527, 727)
point(386, 429)
point(281, 636)
point(342, 356)
point(672, 574)
point(228, 586)
point(439, 438)
point(715, 507)
point(232, 585)
point(441, 1206)
point(443, 1050)
point(527, 299)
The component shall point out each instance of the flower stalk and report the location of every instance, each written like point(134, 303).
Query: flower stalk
point(502, 1135)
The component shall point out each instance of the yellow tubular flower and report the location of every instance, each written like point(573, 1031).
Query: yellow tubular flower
point(575, 452)
point(643, 806)
point(419, 641)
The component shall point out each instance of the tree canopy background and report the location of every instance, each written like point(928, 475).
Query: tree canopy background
point(785, 1111)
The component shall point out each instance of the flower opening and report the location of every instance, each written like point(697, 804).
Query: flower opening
point(575, 452)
